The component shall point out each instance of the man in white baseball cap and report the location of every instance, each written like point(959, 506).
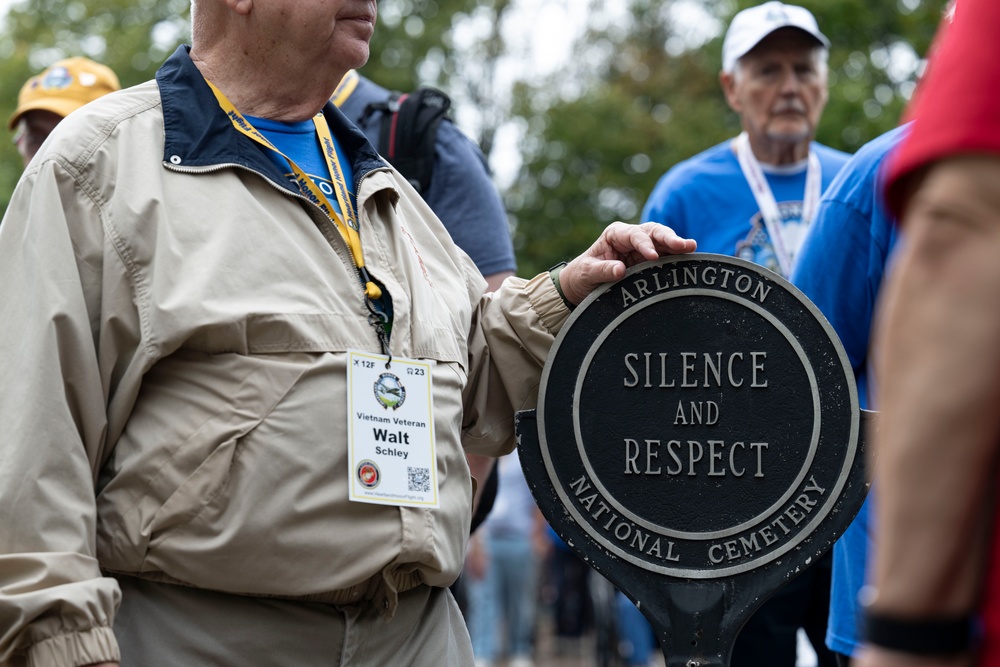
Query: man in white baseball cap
point(755, 196)
point(763, 186)
point(752, 25)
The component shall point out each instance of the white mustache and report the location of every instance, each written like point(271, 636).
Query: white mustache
point(793, 105)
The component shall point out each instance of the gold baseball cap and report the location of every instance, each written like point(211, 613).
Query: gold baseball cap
point(65, 87)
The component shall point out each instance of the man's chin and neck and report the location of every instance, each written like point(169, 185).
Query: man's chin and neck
point(782, 147)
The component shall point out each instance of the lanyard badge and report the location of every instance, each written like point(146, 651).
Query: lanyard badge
point(392, 456)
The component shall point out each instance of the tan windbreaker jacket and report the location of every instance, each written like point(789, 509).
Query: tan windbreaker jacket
point(175, 323)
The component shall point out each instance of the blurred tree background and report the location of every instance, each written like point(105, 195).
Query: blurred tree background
point(651, 98)
point(131, 36)
point(588, 137)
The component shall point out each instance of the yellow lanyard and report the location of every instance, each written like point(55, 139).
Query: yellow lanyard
point(347, 224)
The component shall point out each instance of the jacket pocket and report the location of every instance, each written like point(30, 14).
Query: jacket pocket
point(185, 430)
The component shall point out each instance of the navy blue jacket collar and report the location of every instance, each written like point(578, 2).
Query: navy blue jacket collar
point(198, 133)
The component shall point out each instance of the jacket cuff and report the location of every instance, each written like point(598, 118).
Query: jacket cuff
point(77, 648)
point(546, 301)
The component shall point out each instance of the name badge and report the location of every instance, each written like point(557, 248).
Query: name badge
point(391, 437)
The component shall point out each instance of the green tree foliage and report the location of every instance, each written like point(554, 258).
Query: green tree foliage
point(640, 94)
point(454, 45)
point(593, 157)
point(410, 33)
point(413, 44)
point(132, 37)
point(874, 57)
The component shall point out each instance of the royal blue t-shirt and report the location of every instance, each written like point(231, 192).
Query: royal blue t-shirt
point(840, 268)
point(300, 142)
point(707, 198)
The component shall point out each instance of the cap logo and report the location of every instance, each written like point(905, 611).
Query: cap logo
point(778, 15)
point(57, 78)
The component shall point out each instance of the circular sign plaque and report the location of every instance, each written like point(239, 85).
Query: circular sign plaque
point(698, 418)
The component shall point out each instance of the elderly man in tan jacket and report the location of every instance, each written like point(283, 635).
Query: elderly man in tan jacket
point(243, 364)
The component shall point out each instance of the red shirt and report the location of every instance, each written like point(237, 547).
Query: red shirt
point(991, 603)
point(957, 104)
point(957, 110)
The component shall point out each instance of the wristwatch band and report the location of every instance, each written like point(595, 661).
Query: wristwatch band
point(925, 636)
point(554, 275)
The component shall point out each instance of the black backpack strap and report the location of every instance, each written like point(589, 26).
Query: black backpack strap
point(487, 498)
point(388, 110)
point(408, 131)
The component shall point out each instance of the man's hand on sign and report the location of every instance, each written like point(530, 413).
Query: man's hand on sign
point(619, 247)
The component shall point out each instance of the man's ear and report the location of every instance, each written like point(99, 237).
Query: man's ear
point(728, 82)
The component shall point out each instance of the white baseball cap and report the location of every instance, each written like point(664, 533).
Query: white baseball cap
point(752, 25)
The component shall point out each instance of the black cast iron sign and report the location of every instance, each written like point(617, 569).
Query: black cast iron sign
point(697, 441)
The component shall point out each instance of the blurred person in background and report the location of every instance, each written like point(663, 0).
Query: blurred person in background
point(840, 269)
point(503, 573)
point(460, 189)
point(46, 98)
point(934, 596)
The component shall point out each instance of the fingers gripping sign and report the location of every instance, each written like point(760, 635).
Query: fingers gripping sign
point(619, 247)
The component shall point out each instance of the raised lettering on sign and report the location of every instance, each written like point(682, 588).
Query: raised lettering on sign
point(689, 370)
point(671, 278)
point(748, 545)
point(689, 458)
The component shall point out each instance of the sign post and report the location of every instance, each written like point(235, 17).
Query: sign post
point(698, 441)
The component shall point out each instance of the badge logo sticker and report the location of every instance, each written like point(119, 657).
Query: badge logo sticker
point(368, 474)
point(389, 391)
point(58, 78)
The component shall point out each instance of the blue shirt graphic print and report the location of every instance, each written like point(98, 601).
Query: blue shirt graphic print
point(299, 142)
point(707, 198)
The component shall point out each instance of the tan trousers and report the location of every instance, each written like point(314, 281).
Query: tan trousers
point(176, 626)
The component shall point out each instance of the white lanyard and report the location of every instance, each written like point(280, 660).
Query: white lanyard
point(767, 204)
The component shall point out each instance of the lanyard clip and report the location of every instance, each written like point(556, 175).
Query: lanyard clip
point(371, 289)
point(380, 322)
